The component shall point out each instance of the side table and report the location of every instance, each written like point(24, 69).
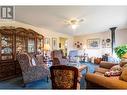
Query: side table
point(49, 64)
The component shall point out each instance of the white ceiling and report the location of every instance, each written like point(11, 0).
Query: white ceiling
point(96, 18)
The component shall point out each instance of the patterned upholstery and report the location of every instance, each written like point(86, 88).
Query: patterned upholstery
point(40, 58)
point(64, 77)
point(58, 58)
point(31, 72)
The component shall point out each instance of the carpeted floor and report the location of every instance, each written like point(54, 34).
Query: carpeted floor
point(17, 83)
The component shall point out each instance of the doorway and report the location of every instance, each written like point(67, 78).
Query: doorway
point(63, 45)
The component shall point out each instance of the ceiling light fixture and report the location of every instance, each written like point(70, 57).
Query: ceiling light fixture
point(73, 22)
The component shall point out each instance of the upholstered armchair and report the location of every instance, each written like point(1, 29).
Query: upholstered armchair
point(32, 70)
point(58, 58)
point(64, 77)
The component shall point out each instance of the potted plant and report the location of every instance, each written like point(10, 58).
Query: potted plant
point(121, 51)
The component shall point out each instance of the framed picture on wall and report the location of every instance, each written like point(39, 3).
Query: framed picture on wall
point(103, 43)
point(93, 43)
point(54, 43)
point(108, 43)
point(47, 41)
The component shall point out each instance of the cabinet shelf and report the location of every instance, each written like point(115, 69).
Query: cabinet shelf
point(17, 41)
point(6, 54)
point(9, 41)
point(6, 46)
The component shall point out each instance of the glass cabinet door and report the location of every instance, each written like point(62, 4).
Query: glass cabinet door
point(15, 40)
point(20, 44)
point(6, 47)
point(31, 45)
point(21, 40)
point(40, 44)
point(31, 41)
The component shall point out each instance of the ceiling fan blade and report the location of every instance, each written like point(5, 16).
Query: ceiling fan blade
point(81, 20)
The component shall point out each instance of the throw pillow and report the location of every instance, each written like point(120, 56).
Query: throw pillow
point(112, 73)
point(123, 76)
point(33, 62)
point(115, 73)
point(116, 68)
point(107, 74)
point(124, 67)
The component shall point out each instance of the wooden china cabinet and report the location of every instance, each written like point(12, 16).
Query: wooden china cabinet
point(12, 41)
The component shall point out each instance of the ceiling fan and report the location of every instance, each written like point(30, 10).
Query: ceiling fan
point(73, 22)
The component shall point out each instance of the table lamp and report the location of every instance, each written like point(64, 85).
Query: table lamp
point(46, 49)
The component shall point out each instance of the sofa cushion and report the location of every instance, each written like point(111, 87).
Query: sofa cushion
point(99, 73)
point(124, 74)
point(112, 73)
point(107, 82)
point(122, 63)
point(124, 67)
point(101, 70)
point(107, 65)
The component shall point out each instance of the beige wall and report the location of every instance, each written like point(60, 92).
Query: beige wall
point(63, 44)
point(94, 52)
point(121, 38)
point(46, 32)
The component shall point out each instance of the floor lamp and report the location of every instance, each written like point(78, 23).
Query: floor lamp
point(46, 49)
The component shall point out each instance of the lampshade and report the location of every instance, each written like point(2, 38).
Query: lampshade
point(46, 47)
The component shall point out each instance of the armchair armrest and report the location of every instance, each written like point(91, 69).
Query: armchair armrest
point(107, 65)
point(37, 69)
